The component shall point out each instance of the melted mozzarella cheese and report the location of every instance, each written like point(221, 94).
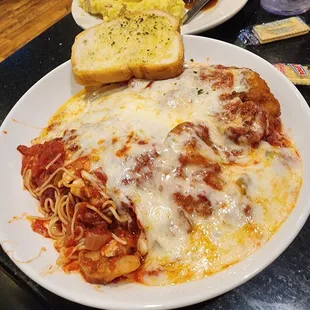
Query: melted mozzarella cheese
point(120, 123)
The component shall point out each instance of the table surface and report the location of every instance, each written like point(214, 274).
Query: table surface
point(285, 284)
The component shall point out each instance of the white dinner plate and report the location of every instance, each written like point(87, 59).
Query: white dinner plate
point(33, 111)
point(221, 12)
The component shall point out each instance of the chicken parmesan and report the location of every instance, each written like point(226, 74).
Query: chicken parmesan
point(163, 182)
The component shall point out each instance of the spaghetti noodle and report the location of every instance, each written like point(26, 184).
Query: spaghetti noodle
point(77, 213)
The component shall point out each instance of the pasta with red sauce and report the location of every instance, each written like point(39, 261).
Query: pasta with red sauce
point(78, 215)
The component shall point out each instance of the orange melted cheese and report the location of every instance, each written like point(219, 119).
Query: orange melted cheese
point(204, 201)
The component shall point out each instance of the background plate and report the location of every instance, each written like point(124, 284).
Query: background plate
point(224, 10)
point(33, 111)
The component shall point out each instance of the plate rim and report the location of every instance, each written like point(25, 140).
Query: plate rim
point(196, 30)
point(182, 301)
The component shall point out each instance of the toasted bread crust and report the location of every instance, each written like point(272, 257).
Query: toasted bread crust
point(127, 71)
